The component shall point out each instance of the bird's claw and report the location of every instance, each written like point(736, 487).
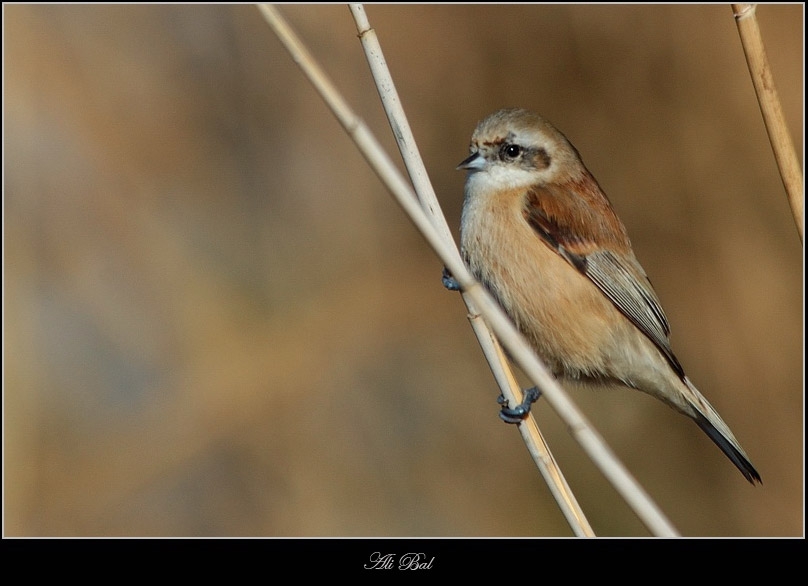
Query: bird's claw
point(449, 281)
point(520, 412)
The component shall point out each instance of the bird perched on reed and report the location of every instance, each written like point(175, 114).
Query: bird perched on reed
point(540, 234)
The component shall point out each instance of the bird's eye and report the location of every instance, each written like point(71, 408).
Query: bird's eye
point(510, 152)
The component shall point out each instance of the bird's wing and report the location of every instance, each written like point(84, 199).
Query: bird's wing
point(619, 277)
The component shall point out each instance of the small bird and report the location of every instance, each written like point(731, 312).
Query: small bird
point(540, 234)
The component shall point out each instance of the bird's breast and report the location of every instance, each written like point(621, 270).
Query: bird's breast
point(566, 318)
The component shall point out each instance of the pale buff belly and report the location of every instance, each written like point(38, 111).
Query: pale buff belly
point(572, 326)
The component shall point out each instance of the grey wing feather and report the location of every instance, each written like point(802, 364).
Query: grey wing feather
point(627, 286)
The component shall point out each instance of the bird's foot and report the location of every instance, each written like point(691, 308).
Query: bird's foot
point(521, 411)
point(449, 281)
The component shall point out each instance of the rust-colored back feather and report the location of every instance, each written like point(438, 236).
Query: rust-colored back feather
point(577, 221)
point(577, 214)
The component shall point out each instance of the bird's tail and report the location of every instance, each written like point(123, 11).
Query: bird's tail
point(710, 422)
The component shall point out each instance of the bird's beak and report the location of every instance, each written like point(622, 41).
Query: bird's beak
point(474, 162)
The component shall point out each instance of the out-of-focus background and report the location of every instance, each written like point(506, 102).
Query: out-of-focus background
point(217, 321)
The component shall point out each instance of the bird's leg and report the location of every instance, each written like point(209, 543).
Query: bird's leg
point(520, 412)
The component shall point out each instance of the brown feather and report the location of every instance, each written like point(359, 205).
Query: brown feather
point(577, 214)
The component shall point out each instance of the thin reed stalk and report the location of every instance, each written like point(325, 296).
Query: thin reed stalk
point(537, 446)
point(769, 101)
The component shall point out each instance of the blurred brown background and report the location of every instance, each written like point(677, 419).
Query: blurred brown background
point(217, 321)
